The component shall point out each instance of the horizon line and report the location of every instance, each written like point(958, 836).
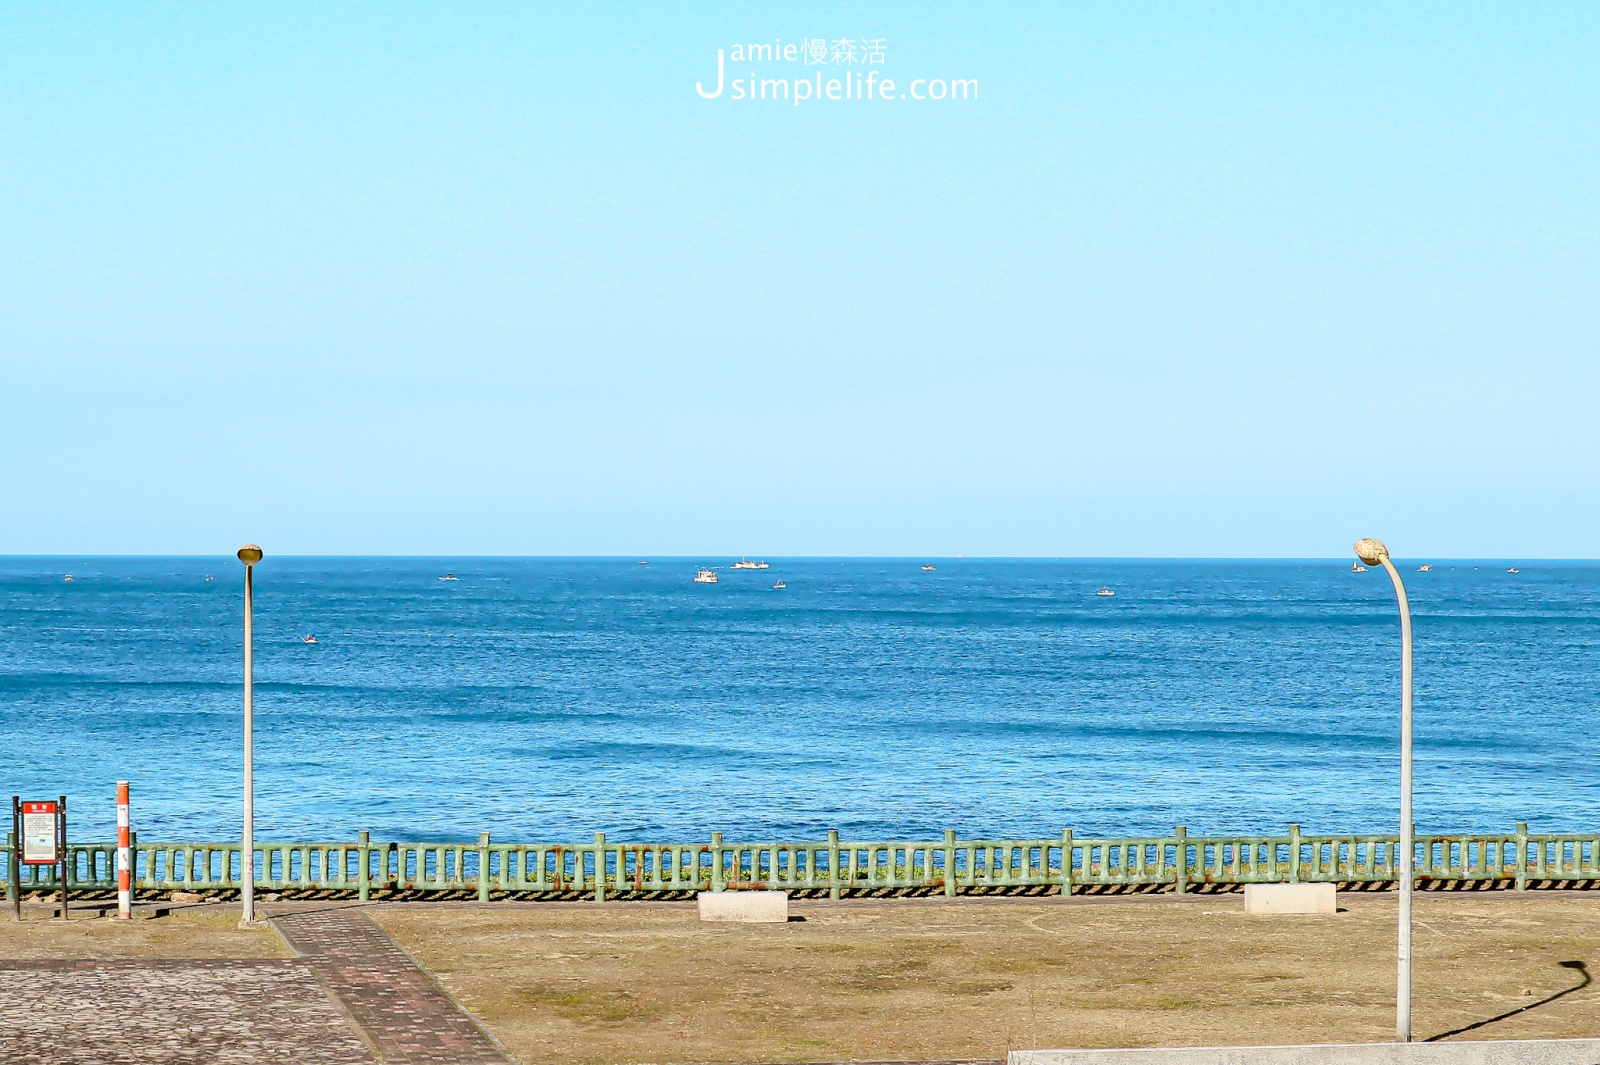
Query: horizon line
point(646, 556)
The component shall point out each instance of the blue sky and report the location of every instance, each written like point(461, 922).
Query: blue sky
point(1183, 279)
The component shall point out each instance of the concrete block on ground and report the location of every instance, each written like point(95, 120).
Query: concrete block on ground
point(1290, 898)
point(1466, 1052)
point(746, 907)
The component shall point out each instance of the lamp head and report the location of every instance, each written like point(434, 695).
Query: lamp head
point(250, 554)
point(1371, 551)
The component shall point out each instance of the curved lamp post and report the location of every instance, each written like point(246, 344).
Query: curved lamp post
point(1373, 553)
point(249, 554)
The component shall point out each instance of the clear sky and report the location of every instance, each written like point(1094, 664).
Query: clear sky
point(1182, 279)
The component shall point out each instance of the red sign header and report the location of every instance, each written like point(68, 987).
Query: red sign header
point(38, 807)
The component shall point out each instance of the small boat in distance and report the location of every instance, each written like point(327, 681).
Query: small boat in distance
point(927, 567)
point(745, 563)
point(1424, 568)
point(644, 562)
point(779, 586)
point(209, 577)
point(68, 577)
point(449, 577)
point(1356, 567)
point(1513, 569)
point(1105, 591)
point(705, 576)
point(309, 639)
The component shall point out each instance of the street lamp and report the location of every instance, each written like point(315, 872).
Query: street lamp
point(249, 554)
point(1373, 553)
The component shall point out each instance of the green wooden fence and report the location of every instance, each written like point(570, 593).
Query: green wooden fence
point(606, 869)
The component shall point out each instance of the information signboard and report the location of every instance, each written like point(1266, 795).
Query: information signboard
point(40, 833)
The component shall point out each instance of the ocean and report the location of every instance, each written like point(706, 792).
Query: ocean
point(548, 698)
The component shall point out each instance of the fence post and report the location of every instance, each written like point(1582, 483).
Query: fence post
point(1066, 862)
point(124, 872)
point(716, 861)
point(599, 867)
point(13, 875)
point(950, 886)
point(833, 863)
point(1181, 880)
point(483, 867)
point(1294, 854)
point(67, 863)
point(364, 872)
point(1522, 856)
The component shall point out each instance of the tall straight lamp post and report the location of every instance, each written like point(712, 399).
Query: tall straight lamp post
point(249, 554)
point(1373, 553)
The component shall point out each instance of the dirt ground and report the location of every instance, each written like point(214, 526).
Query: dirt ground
point(930, 979)
point(187, 932)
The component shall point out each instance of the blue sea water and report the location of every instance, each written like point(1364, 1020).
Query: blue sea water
point(550, 698)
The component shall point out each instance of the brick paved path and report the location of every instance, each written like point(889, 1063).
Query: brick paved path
point(404, 1015)
point(172, 1013)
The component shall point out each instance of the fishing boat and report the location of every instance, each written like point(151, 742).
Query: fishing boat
point(1513, 569)
point(644, 562)
point(309, 639)
point(1424, 568)
point(449, 577)
point(68, 577)
point(1356, 567)
point(1105, 591)
point(745, 563)
point(778, 586)
point(927, 567)
point(209, 577)
point(705, 576)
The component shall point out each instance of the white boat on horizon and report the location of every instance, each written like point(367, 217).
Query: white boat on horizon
point(1105, 591)
point(927, 567)
point(779, 586)
point(1513, 569)
point(1425, 568)
point(1356, 567)
point(449, 577)
point(706, 576)
point(745, 563)
point(309, 639)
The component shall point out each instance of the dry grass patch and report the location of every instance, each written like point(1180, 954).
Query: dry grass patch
point(191, 932)
point(925, 979)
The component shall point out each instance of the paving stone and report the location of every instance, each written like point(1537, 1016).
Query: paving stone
point(404, 1014)
point(171, 1013)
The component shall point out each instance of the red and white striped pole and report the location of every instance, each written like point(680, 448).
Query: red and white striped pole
point(124, 856)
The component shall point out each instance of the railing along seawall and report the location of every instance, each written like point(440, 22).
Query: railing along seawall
point(606, 869)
